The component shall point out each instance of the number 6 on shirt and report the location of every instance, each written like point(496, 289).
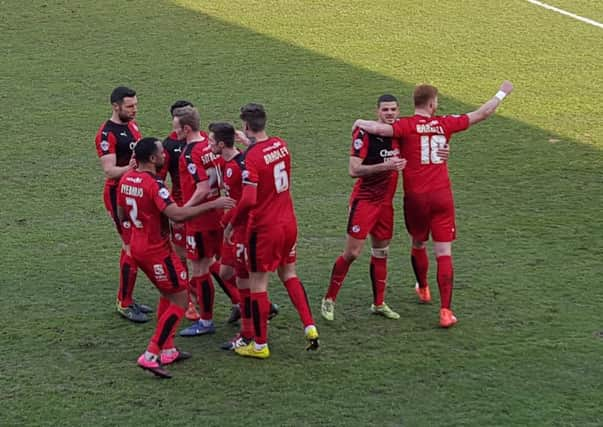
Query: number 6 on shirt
point(281, 180)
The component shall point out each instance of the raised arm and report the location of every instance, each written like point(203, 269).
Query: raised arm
point(490, 106)
point(376, 128)
point(182, 213)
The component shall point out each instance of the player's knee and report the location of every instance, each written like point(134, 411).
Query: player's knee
point(351, 254)
point(417, 244)
point(286, 272)
point(380, 252)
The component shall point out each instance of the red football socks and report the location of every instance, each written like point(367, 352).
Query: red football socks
point(205, 295)
point(246, 320)
point(163, 305)
point(445, 280)
point(228, 286)
point(340, 270)
point(378, 272)
point(420, 265)
point(163, 338)
point(127, 279)
point(299, 298)
point(260, 309)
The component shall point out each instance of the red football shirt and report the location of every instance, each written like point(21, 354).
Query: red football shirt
point(372, 149)
point(268, 166)
point(118, 139)
point(197, 164)
point(144, 197)
point(232, 173)
point(420, 137)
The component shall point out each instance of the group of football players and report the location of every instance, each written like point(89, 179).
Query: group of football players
point(229, 216)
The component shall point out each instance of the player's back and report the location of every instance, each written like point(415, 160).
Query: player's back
point(143, 197)
point(268, 165)
point(420, 139)
point(232, 175)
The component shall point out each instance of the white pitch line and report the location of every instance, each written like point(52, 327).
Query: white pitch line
point(566, 13)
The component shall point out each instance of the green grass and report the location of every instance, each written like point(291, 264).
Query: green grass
point(527, 184)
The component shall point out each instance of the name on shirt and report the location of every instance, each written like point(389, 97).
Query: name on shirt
point(429, 128)
point(389, 153)
point(276, 155)
point(129, 190)
point(208, 158)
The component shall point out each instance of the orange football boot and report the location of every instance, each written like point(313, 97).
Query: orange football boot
point(447, 318)
point(423, 294)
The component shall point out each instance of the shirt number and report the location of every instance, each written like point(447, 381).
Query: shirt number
point(133, 212)
point(281, 179)
point(429, 149)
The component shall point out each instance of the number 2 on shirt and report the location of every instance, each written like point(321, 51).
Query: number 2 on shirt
point(281, 179)
point(130, 201)
point(429, 149)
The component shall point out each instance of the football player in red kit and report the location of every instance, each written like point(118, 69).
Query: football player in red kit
point(144, 200)
point(428, 201)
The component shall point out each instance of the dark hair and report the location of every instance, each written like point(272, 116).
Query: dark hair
point(121, 92)
point(386, 98)
point(188, 116)
point(423, 94)
point(145, 148)
point(179, 104)
point(255, 116)
point(223, 132)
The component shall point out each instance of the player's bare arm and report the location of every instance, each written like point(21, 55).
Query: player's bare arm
point(490, 106)
point(111, 170)
point(356, 169)
point(183, 213)
point(373, 127)
point(248, 201)
point(201, 192)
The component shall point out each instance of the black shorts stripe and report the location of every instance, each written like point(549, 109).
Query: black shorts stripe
point(199, 244)
point(173, 275)
point(113, 201)
point(351, 216)
point(253, 241)
point(167, 329)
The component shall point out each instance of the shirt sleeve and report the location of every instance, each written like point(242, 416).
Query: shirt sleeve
point(400, 129)
point(250, 173)
point(161, 195)
point(195, 169)
point(456, 124)
point(360, 142)
point(105, 143)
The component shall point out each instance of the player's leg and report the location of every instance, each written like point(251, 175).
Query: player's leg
point(417, 220)
point(127, 265)
point(260, 310)
point(444, 233)
point(169, 276)
point(357, 230)
point(200, 256)
point(381, 235)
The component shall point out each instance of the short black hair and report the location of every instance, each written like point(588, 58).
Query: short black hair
point(179, 104)
point(255, 116)
point(386, 98)
point(121, 92)
point(224, 132)
point(145, 148)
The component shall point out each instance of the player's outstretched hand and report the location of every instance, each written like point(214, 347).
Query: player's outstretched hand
point(224, 203)
point(506, 87)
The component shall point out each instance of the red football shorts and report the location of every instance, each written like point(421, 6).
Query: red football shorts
point(178, 234)
point(235, 256)
point(110, 199)
point(268, 248)
point(431, 212)
point(164, 269)
point(203, 244)
point(376, 219)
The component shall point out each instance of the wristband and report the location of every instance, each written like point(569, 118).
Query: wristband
point(500, 95)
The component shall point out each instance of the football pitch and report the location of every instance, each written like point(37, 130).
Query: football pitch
point(528, 186)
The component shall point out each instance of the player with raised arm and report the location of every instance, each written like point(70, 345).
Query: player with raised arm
point(145, 201)
point(266, 207)
point(375, 162)
point(115, 142)
point(428, 200)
